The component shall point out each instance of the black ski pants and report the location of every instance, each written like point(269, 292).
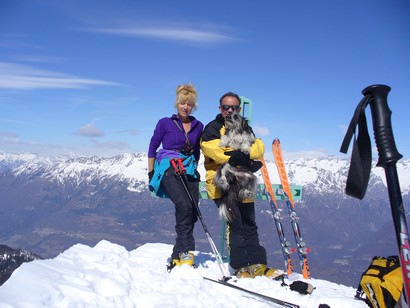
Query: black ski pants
point(243, 240)
point(185, 212)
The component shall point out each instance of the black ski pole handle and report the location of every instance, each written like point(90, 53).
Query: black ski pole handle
point(383, 132)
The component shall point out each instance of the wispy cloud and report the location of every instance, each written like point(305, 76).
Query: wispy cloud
point(175, 33)
point(11, 142)
point(261, 131)
point(39, 59)
point(89, 130)
point(9, 138)
point(131, 131)
point(21, 77)
point(15, 40)
point(113, 145)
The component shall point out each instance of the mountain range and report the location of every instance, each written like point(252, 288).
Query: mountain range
point(50, 203)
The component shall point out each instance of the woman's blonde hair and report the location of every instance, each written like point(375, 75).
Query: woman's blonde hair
point(187, 92)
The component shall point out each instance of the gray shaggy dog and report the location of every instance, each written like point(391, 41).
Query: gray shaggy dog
point(235, 184)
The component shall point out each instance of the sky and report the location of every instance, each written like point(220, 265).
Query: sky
point(94, 77)
point(107, 275)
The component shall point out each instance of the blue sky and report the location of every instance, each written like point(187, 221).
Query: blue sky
point(93, 77)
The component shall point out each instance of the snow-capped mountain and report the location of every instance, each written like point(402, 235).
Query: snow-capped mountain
point(131, 168)
point(326, 175)
point(49, 204)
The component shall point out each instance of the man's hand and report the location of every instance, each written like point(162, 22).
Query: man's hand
point(238, 158)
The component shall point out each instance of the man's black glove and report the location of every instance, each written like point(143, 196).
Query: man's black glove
point(150, 175)
point(238, 158)
point(255, 165)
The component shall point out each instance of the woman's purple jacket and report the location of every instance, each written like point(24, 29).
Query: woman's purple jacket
point(172, 138)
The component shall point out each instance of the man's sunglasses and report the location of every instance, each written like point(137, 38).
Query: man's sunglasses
point(227, 107)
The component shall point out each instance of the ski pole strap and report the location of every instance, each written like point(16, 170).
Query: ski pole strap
point(361, 160)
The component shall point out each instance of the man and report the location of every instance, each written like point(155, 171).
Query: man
point(247, 256)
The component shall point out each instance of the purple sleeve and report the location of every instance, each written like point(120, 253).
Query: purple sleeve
point(156, 139)
point(197, 145)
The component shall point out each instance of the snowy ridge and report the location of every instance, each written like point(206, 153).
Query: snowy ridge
point(322, 174)
point(131, 168)
point(29, 160)
point(108, 275)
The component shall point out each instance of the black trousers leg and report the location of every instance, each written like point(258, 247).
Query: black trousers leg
point(185, 214)
point(243, 239)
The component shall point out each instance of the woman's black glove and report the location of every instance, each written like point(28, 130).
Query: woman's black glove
point(238, 158)
point(150, 175)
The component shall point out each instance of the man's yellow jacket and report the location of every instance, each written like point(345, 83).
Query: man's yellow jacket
point(214, 154)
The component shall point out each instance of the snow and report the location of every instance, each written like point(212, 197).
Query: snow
point(108, 275)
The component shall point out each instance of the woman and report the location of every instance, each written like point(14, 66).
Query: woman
point(180, 136)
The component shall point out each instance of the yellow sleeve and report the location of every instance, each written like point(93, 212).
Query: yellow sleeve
point(257, 149)
point(212, 150)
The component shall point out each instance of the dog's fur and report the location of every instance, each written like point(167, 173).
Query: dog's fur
point(234, 183)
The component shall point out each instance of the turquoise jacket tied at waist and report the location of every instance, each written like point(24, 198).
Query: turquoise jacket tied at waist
point(160, 167)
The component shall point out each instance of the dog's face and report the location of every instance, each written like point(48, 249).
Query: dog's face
point(236, 124)
point(238, 134)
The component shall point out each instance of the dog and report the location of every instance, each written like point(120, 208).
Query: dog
point(235, 184)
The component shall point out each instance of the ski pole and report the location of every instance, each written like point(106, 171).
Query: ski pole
point(181, 172)
point(388, 157)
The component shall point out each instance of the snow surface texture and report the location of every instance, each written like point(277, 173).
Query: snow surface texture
point(107, 275)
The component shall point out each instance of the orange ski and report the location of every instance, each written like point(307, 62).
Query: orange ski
point(285, 245)
point(301, 245)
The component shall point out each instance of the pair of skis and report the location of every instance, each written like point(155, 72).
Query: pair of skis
point(286, 249)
